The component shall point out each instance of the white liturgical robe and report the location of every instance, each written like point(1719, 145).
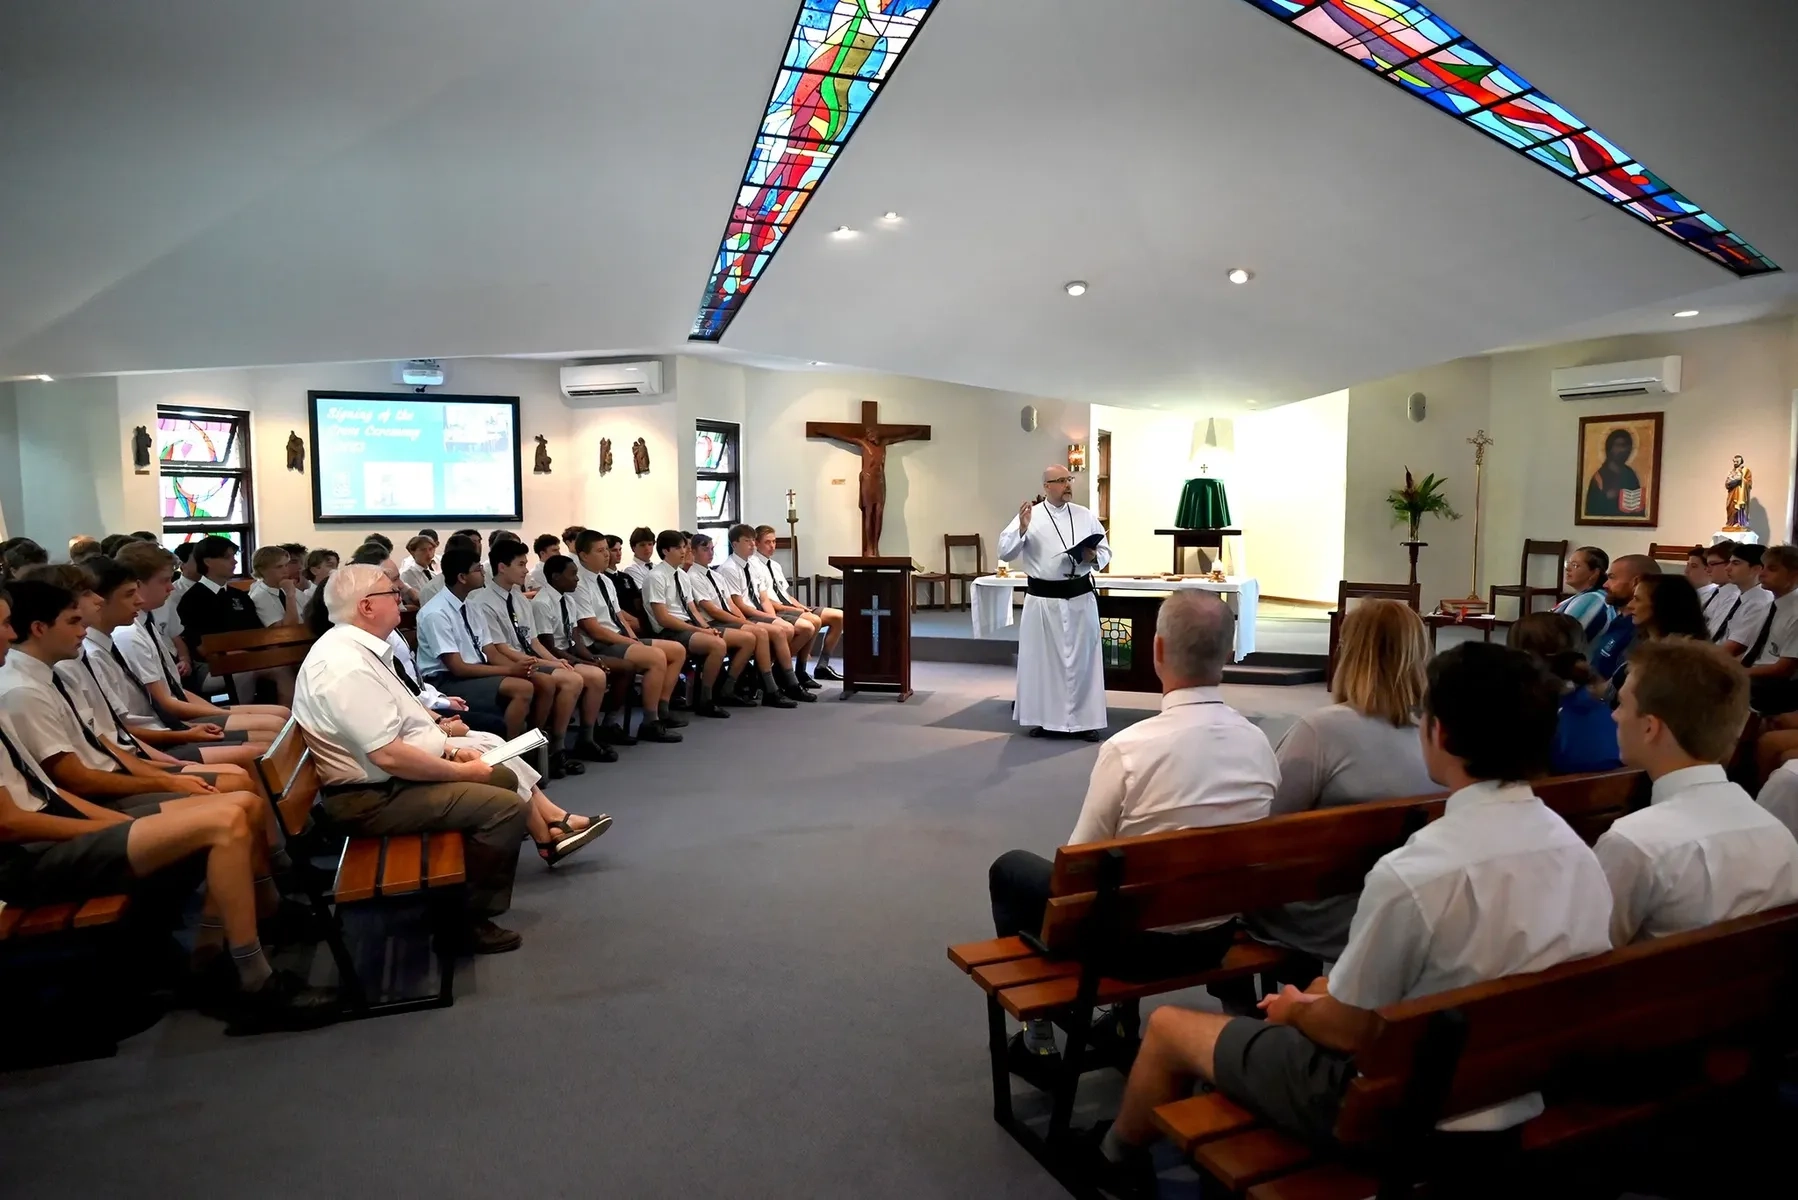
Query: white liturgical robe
point(1061, 676)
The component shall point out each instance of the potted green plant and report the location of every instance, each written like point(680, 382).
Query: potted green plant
point(1416, 500)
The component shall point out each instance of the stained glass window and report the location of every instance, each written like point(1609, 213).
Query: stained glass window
point(718, 480)
point(1115, 642)
point(204, 460)
point(840, 54)
point(1415, 49)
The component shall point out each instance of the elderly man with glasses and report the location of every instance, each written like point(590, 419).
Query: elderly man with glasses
point(1061, 677)
point(385, 765)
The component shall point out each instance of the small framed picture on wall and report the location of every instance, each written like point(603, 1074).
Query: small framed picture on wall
point(1619, 466)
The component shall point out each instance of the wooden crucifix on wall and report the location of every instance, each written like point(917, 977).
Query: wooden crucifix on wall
point(871, 439)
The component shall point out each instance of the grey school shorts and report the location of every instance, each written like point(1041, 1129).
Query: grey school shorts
point(482, 692)
point(60, 872)
point(1284, 1076)
point(615, 649)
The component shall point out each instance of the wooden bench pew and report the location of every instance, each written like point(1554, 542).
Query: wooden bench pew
point(367, 870)
point(230, 654)
point(1103, 891)
point(1646, 1033)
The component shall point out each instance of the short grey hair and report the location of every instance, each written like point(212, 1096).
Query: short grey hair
point(348, 585)
point(1196, 630)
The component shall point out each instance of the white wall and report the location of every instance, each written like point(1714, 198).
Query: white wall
point(1288, 487)
point(74, 461)
point(1151, 459)
point(12, 494)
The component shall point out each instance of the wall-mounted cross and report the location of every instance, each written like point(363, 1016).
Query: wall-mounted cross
point(871, 438)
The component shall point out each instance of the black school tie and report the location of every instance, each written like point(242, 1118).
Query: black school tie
point(605, 593)
point(166, 718)
point(168, 672)
point(1724, 628)
point(682, 597)
point(517, 629)
point(774, 583)
point(472, 639)
point(76, 713)
point(118, 720)
point(34, 786)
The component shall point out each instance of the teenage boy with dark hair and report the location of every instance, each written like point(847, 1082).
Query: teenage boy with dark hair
point(151, 659)
point(1751, 612)
point(1498, 886)
point(420, 570)
point(1702, 851)
point(715, 594)
point(57, 848)
point(213, 606)
point(771, 599)
point(753, 585)
point(473, 535)
point(545, 546)
point(449, 649)
point(617, 639)
point(671, 612)
point(556, 613)
point(644, 549)
point(380, 539)
point(503, 620)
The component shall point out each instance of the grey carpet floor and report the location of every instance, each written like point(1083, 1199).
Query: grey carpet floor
point(740, 990)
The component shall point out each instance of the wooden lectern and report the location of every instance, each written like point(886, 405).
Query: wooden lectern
point(877, 624)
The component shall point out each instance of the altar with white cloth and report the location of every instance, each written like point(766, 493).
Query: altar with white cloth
point(1128, 605)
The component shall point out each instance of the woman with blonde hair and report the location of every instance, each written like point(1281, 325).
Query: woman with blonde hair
point(1363, 747)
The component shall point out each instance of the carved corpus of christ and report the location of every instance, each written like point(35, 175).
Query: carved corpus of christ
point(871, 439)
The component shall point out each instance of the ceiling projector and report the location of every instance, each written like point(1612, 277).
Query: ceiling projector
point(419, 373)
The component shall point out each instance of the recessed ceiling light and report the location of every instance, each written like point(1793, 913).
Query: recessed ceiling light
point(843, 231)
point(1239, 275)
point(44, 378)
point(1686, 312)
point(1076, 287)
point(889, 216)
point(818, 362)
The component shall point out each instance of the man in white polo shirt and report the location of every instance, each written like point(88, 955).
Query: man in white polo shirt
point(1498, 886)
point(1197, 763)
point(1702, 851)
point(385, 764)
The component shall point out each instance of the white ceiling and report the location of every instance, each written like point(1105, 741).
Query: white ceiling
point(208, 183)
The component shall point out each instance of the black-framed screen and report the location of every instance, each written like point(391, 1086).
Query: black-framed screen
point(401, 457)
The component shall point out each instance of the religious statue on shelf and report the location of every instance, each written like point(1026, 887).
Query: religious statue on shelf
point(1740, 486)
point(605, 456)
point(541, 465)
point(871, 439)
point(640, 456)
point(296, 452)
point(140, 450)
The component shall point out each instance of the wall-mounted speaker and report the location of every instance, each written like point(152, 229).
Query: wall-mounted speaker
point(1414, 407)
point(1027, 418)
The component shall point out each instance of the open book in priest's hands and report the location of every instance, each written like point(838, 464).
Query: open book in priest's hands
point(524, 743)
point(1078, 550)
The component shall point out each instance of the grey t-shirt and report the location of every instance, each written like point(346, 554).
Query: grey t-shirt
point(1331, 757)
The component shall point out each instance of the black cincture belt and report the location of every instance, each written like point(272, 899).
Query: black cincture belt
point(1060, 589)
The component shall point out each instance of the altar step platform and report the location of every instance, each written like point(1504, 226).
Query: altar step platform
point(1292, 644)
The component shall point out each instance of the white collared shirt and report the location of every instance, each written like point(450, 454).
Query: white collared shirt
point(1782, 637)
point(777, 576)
point(1701, 852)
point(640, 571)
point(758, 579)
point(536, 581)
point(441, 630)
point(668, 588)
point(1779, 795)
point(487, 607)
point(426, 581)
point(1751, 609)
point(548, 609)
point(271, 602)
point(1704, 596)
point(408, 662)
point(600, 599)
point(1722, 599)
point(12, 780)
point(1042, 549)
point(147, 653)
point(167, 616)
point(1500, 885)
point(93, 705)
point(46, 724)
point(703, 585)
point(733, 571)
point(350, 704)
point(1197, 762)
point(128, 696)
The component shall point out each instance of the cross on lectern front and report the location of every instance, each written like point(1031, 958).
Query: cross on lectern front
point(876, 593)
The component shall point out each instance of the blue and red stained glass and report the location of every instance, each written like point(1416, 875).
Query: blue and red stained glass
point(840, 54)
point(1413, 48)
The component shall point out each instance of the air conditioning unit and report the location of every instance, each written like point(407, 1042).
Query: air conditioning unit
point(613, 379)
point(1644, 377)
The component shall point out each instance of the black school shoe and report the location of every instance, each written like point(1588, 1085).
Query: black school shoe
point(793, 691)
point(735, 698)
point(776, 700)
point(591, 751)
point(655, 731)
point(807, 682)
point(615, 735)
point(710, 710)
point(284, 1002)
point(826, 671)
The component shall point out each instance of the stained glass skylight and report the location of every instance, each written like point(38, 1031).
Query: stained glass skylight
point(840, 54)
point(1410, 46)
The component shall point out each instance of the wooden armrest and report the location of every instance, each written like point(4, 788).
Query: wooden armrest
point(1332, 1181)
point(1197, 1119)
point(1242, 1160)
point(969, 955)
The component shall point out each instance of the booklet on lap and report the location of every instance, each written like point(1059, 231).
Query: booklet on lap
point(524, 743)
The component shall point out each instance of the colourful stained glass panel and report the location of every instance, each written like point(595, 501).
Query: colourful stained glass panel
point(711, 451)
point(839, 55)
point(713, 500)
point(198, 441)
point(1417, 50)
point(202, 498)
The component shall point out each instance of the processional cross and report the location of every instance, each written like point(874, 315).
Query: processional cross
point(871, 439)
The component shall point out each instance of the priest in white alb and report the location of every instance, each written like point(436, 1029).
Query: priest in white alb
point(1061, 676)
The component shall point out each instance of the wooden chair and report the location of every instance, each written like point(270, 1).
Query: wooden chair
point(228, 654)
point(948, 577)
point(1649, 1033)
point(242, 585)
point(368, 870)
point(1523, 591)
point(1104, 891)
point(1409, 593)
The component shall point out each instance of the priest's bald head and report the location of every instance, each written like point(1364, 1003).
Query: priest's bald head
point(1058, 484)
point(1193, 634)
